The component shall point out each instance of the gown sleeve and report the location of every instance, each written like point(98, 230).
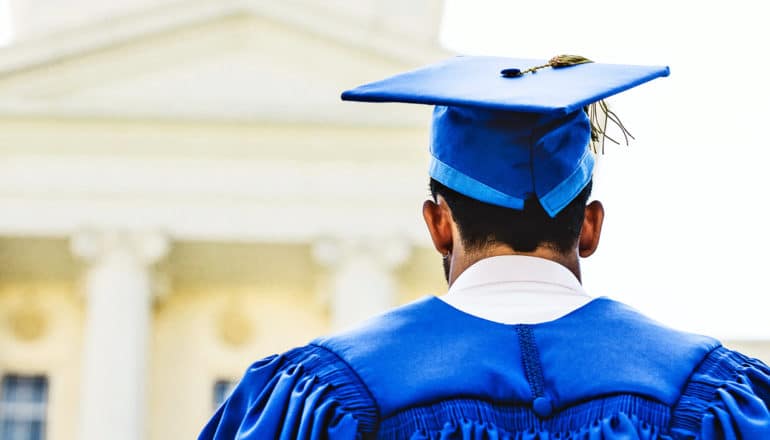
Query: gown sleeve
point(728, 398)
point(307, 393)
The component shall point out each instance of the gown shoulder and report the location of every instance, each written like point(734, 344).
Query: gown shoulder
point(307, 393)
point(397, 376)
point(726, 398)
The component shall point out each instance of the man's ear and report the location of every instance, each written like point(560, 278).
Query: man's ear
point(438, 219)
point(592, 229)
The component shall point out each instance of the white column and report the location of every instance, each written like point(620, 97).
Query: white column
point(118, 288)
point(361, 276)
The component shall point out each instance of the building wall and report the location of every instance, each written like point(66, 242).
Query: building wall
point(202, 336)
point(41, 317)
point(232, 304)
point(228, 306)
point(41, 333)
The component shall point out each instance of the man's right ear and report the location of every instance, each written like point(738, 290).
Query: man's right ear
point(591, 230)
point(438, 219)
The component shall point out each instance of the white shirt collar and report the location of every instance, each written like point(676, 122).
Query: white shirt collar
point(513, 289)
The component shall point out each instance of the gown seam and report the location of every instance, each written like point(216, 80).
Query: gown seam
point(358, 377)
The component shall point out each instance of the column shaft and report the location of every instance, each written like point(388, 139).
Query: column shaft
point(118, 288)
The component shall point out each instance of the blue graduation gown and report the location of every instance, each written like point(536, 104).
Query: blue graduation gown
point(429, 371)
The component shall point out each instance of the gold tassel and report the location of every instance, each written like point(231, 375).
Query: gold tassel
point(556, 62)
point(567, 60)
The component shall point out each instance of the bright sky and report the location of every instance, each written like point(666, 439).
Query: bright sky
point(6, 28)
point(685, 234)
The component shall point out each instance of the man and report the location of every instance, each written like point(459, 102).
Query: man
point(516, 348)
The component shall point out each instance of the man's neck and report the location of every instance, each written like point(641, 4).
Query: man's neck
point(466, 259)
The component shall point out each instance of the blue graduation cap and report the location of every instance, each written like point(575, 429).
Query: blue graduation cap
point(505, 130)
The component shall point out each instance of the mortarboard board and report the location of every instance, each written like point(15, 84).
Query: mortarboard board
point(504, 129)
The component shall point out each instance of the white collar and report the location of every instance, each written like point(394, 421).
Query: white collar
point(513, 289)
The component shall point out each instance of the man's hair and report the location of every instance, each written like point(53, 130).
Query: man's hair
point(482, 224)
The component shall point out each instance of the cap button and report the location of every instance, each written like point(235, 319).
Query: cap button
point(511, 73)
point(542, 406)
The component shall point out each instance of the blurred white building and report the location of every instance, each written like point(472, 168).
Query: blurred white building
point(182, 193)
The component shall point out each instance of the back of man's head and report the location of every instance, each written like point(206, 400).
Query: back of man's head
point(481, 224)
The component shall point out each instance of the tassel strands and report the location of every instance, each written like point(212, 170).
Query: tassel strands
point(600, 114)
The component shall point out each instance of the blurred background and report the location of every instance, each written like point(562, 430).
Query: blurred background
point(182, 192)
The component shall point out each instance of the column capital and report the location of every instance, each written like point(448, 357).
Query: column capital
point(387, 252)
point(146, 246)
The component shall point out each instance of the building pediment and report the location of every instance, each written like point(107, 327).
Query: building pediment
point(238, 64)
